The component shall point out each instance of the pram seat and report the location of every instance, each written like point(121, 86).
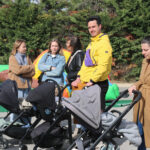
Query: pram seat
point(43, 100)
point(87, 108)
point(9, 100)
point(96, 133)
point(9, 96)
point(43, 107)
point(52, 113)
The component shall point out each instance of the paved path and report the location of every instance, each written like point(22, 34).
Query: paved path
point(125, 146)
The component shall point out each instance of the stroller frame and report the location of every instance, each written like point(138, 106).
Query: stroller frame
point(113, 125)
point(22, 113)
point(64, 115)
point(28, 130)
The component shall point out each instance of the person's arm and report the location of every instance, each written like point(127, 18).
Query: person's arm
point(31, 73)
point(78, 59)
point(28, 75)
point(72, 75)
point(76, 82)
point(137, 85)
point(19, 69)
point(133, 87)
point(42, 66)
point(59, 68)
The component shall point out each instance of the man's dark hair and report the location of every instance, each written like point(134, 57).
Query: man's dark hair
point(146, 40)
point(92, 18)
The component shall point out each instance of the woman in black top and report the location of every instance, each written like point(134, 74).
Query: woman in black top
point(74, 62)
point(73, 66)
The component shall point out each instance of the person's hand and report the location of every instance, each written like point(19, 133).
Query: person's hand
point(53, 68)
point(33, 66)
point(131, 89)
point(66, 80)
point(89, 84)
point(75, 83)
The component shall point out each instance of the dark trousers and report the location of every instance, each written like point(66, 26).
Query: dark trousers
point(104, 87)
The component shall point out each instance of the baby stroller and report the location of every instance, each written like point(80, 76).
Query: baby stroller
point(9, 100)
point(50, 132)
point(43, 108)
point(100, 127)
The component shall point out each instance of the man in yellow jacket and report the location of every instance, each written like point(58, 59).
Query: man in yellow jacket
point(98, 59)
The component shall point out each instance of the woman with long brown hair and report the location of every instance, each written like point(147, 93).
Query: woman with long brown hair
point(52, 63)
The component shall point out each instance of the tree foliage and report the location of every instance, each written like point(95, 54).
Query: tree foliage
point(125, 21)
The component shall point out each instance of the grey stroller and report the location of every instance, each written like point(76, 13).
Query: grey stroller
point(100, 127)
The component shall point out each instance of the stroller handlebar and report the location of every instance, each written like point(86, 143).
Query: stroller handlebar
point(121, 115)
point(58, 87)
point(135, 92)
point(138, 93)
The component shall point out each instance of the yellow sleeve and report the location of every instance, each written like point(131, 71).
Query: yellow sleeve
point(104, 62)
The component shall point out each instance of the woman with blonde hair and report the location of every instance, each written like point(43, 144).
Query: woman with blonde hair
point(21, 69)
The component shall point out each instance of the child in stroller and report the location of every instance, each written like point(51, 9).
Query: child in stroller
point(100, 127)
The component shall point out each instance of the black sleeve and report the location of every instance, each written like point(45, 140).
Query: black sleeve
point(72, 75)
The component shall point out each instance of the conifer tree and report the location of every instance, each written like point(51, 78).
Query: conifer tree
point(127, 22)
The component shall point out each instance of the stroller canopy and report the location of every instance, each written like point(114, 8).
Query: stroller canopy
point(43, 95)
point(9, 96)
point(86, 104)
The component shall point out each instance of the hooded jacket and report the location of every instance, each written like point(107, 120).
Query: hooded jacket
point(101, 56)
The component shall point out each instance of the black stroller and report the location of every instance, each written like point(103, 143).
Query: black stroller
point(43, 108)
point(50, 132)
point(85, 106)
point(9, 100)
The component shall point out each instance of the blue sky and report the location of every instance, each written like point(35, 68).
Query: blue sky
point(35, 1)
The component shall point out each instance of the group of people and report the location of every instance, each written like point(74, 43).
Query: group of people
point(89, 68)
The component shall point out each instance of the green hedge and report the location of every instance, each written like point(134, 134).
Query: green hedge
point(126, 22)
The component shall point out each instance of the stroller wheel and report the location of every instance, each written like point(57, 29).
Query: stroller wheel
point(23, 147)
point(3, 143)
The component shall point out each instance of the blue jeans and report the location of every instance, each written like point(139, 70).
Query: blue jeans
point(142, 146)
point(22, 93)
